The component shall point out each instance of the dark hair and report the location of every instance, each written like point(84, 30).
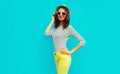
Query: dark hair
point(66, 20)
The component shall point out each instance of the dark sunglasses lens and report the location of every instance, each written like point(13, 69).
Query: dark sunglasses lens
point(58, 13)
point(63, 13)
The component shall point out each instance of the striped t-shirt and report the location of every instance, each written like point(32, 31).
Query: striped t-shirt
point(60, 36)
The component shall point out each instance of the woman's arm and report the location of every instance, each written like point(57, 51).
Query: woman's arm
point(48, 29)
point(81, 40)
point(75, 49)
point(72, 51)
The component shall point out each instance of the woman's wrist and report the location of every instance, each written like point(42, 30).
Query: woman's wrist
point(71, 52)
point(52, 21)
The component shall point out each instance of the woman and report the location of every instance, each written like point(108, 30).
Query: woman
point(60, 34)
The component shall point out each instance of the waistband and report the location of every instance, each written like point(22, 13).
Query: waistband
point(58, 51)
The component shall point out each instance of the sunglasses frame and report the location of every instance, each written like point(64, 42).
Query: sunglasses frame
point(59, 13)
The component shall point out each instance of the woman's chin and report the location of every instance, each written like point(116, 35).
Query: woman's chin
point(61, 19)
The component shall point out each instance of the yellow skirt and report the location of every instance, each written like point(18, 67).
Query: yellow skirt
point(63, 62)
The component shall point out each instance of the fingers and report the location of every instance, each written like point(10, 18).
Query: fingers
point(53, 16)
point(62, 51)
point(65, 51)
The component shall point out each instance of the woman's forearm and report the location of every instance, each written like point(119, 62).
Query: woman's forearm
point(75, 49)
point(49, 27)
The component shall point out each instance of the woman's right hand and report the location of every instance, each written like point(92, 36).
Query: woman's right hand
point(53, 17)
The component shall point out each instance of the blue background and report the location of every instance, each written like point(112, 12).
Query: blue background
point(25, 50)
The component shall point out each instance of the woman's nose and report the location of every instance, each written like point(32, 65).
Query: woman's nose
point(60, 14)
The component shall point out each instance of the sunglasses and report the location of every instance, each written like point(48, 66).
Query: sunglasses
point(63, 13)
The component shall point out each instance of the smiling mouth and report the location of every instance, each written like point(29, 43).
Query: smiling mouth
point(61, 17)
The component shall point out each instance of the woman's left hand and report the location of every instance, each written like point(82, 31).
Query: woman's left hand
point(68, 52)
point(65, 51)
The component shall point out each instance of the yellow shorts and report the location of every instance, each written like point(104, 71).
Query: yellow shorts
point(63, 62)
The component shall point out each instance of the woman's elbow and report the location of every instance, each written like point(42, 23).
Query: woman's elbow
point(82, 43)
point(47, 34)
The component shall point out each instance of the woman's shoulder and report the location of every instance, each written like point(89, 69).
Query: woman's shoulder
point(70, 27)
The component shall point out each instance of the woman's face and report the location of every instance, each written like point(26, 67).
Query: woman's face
point(61, 14)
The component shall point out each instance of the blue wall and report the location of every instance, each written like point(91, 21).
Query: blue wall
point(25, 50)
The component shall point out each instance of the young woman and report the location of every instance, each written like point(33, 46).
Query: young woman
point(60, 34)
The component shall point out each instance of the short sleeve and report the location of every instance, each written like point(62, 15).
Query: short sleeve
point(49, 34)
point(75, 34)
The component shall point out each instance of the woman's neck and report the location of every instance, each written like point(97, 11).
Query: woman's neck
point(61, 23)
